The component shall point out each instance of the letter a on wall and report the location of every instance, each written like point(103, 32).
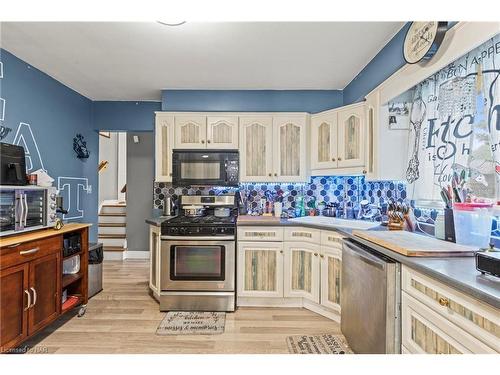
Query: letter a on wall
point(24, 137)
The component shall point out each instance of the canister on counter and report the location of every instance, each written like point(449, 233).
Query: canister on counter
point(33, 179)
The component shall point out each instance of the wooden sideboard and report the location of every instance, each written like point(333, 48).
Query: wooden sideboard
point(32, 282)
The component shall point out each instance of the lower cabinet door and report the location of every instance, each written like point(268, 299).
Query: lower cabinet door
point(44, 288)
point(14, 303)
point(425, 331)
point(154, 249)
point(260, 269)
point(331, 279)
point(302, 270)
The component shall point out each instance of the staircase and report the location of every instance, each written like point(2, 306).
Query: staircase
point(112, 229)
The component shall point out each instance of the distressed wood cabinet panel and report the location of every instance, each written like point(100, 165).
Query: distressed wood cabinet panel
point(351, 143)
point(425, 331)
point(154, 264)
point(260, 269)
point(261, 233)
point(256, 148)
point(331, 278)
point(478, 319)
point(222, 132)
point(302, 270)
point(190, 131)
point(302, 234)
point(324, 150)
point(164, 139)
point(290, 136)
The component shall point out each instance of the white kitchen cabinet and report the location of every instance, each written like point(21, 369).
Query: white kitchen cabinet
point(476, 318)
point(351, 144)
point(190, 131)
point(290, 138)
point(324, 141)
point(331, 278)
point(260, 269)
point(302, 270)
point(256, 148)
point(164, 136)
point(222, 132)
point(154, 264)
point(425, 331)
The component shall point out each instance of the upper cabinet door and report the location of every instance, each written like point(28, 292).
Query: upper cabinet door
point(222, 132)
point(164, 139)
point(190, 131)
point(351, 142)
point(256, 155)
point(324, 141)
point(290, 148)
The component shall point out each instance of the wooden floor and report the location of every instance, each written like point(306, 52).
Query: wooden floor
point(123, 319)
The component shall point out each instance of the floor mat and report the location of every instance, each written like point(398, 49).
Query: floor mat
point(192, 323)
point(321, 344)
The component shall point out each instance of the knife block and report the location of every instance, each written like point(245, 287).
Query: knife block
point(449, 225)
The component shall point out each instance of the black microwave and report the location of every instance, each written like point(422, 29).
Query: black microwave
point(205, 167)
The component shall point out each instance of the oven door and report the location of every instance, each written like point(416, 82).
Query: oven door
point(197, 265)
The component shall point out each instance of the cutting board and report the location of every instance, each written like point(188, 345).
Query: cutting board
point(415, 245)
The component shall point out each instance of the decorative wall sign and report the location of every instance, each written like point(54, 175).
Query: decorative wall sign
point(72, 189)
point(444, 110)
point(80, 147)
point(4, 132)
point(24, 137)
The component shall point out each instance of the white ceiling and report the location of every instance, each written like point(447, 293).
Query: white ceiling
point(135, 61)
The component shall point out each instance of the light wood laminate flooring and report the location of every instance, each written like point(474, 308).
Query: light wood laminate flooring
point(123, 319)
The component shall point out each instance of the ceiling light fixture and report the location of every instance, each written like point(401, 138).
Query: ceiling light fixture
point(170, 23)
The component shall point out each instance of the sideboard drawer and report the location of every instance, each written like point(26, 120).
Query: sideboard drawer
point(331, 238)
point(426, 331)
point(27, 251)
point(302, 234)
point(260, 233)
point(479, 319)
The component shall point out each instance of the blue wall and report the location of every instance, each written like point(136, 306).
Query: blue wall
point(312, 101)
point(48, 115)
point(119, 116)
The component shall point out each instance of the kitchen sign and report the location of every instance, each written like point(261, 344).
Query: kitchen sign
point(444, 109)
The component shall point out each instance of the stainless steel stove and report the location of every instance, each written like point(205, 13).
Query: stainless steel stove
point(198, 255)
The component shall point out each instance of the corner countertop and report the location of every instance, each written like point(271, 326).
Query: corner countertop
point(457, 272)
point(157, 220)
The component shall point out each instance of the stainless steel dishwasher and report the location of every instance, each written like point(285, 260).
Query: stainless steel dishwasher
point(370, 300)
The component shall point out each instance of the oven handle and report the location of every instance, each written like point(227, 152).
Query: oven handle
point(201, 238)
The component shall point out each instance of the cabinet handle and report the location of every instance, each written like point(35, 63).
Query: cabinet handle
point(31, 251)
point(208, 141)
point(333, 159)
point(275, 175)
point(34, 296)
point(202, 141)
point(321, 256)
point(315, 254)
point(29, 300)
point(365, 171)
point(170, 174)
point(339, 159)
point(281, 251)
point(15, 245)
point(270, 174)
point(444, 301)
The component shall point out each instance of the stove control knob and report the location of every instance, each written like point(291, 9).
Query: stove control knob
point(174, 230)
point(183, 230)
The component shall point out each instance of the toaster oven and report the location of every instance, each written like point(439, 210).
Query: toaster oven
point(26, 208)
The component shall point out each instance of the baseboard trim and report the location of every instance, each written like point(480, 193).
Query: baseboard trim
point(136, 254)
point(113, 255)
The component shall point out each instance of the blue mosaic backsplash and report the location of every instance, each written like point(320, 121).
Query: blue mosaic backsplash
point(331, 189)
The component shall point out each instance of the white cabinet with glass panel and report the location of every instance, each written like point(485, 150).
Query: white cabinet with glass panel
point(222, 132)
point(164, 134)
point(190, 131)
point(331, 279)
point(324, 141)
point(351, 144)
point(302, 270)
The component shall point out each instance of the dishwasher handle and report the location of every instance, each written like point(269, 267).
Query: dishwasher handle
point(365, 256)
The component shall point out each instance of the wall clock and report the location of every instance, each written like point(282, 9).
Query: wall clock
point(423, 39)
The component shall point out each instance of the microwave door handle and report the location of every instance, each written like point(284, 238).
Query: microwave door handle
point(225, 171)
point(26, 209)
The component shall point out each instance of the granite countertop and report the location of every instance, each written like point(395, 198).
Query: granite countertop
point(457, 272)
point(157, 220)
